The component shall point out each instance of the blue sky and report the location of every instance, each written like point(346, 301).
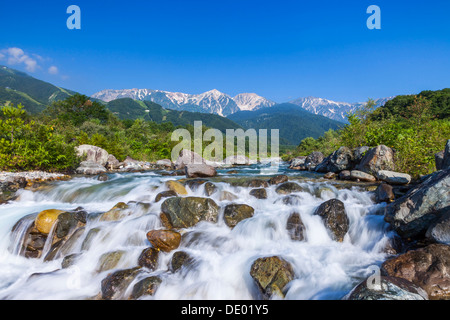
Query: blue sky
point(281, 50)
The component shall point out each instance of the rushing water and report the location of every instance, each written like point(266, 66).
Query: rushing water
point(324, 269)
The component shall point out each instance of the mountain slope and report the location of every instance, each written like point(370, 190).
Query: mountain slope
point(18, 87)
point(334, 110)
point(294, 123)
point(127, 108)
point(212, 101)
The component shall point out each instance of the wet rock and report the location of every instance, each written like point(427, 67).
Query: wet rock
point(341, 159)
point(376, 159)
point(361, 176)
point(291, 200)
point(426, 267)
point(439, 231)
point(102, 177)
point(210, 188)
point(186, 212)
point(226, 195)
point(289, 187)
point(335, 218)
point(313, 160)
point(87, 242)
point(200, 171)
point(146, 287)
point(271, 275)
point(194, 184)
point(298, 163)
point(46, 219)
point(90, 168)
point(389, 288)
point(116, 213)
point(255, 183)
point(114, 285)
point(70, 260)
point(235, 213)
point(109, 260)
point(330, 175)
point(259, 193)
point(278, 179)
point(295, 227)
point(384, 193)
point(165, 194)
point(393, 177)
point(412, 214)
point(68, 222)
point(149, 259)
point(320, 190)
point(176, 187)
point(164, 240)
point(180, 259)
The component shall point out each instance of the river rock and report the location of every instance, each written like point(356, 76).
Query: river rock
point(376, 159)
point(93, 153)
point(70, 260)
point(88, 241)
point(295, 227)
point(314, 159)
point(357, 175)
point(345, 175)
point(259, 193)
point(271, 275)
point(439, 231)
point(289, 187)
point(341, 159)
point(384, 193)
point(109, 260)
point(235, 213)
point(426, 267)
point(188, 157)
point(389, 288)
point(116, 213)
point(392, 177)
point(255, 183)
point(112, 163)
point(186, 212)
point(335, 218)
point(146, 287)
point(278, 179)
point(114, 285)
point(90, 168)
point(412, 214)
point(176, 187)
point(164, 240)
point(227, 196)
point(165, 194)
point(46, 219)
point(359, 153)
point(149, 259)
point(210, 188)
point(179, 260)
point(200, 171)
point(298, 163)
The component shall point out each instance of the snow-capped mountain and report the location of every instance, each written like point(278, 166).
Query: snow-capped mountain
point(331, 109)
point(212, 101)
point(251, 101)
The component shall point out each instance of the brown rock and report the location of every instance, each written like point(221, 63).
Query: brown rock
point(164, 240)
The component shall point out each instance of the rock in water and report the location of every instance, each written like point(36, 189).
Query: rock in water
point(149, 259)
point(392, 177)
point(164, 240)
point(146, 287)
point(295, 227)
point(335, 218)
point(46, 219)
point(114, 285)
point(271, 275)
point(186, 212)
point(376, 159)
point(176, 187)
point(259, 193)
point(278, 179)
point(412, 214)
point(384, 193)
point(235, 213)
point(389, 288)
point(289, 187)
point(313, 160)
point(179, 260)
point(440, 230)
point(200, 171)
point(426, 267)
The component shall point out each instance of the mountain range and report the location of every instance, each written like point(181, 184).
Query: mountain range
point(222, 104)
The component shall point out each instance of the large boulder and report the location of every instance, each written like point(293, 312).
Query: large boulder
point(392, 177)
point(412, 214)
point(389, 288)
point(335, 218)
point(271, 275)
point(298, 163)
point(200, 171)
point(46, 219)
point(235, 213)
point(93, 153)
point(359, 153)
point(376, 159)
point(439, 231)
point(186, 212)
point(90, 168)
point(341, 159)
point(313, 160)
point(426, 267)
point(188, 157)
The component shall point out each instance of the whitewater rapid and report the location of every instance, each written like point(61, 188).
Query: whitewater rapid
point(324, 269)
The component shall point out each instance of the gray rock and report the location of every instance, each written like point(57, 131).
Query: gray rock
point(186, 212)
point(384, 193)
point(359, 153)
point(335, 218)
point(392, 177)
point(439, 160)
point(298, 163)
point(341, 159)
point(446, 160)
point(188, 157)
point(200, 171)
point(439, 231)
point(289, 187)
point(345, 175)
point(259, 193)
point(90, 168)
point(93, 153)
point(376, 159)
point(313, 160)
point(361, 176)
point(235, 213)
point(412, 214)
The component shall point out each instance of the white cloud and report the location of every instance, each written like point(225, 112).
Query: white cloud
point(53, 70)
point(16, 56)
